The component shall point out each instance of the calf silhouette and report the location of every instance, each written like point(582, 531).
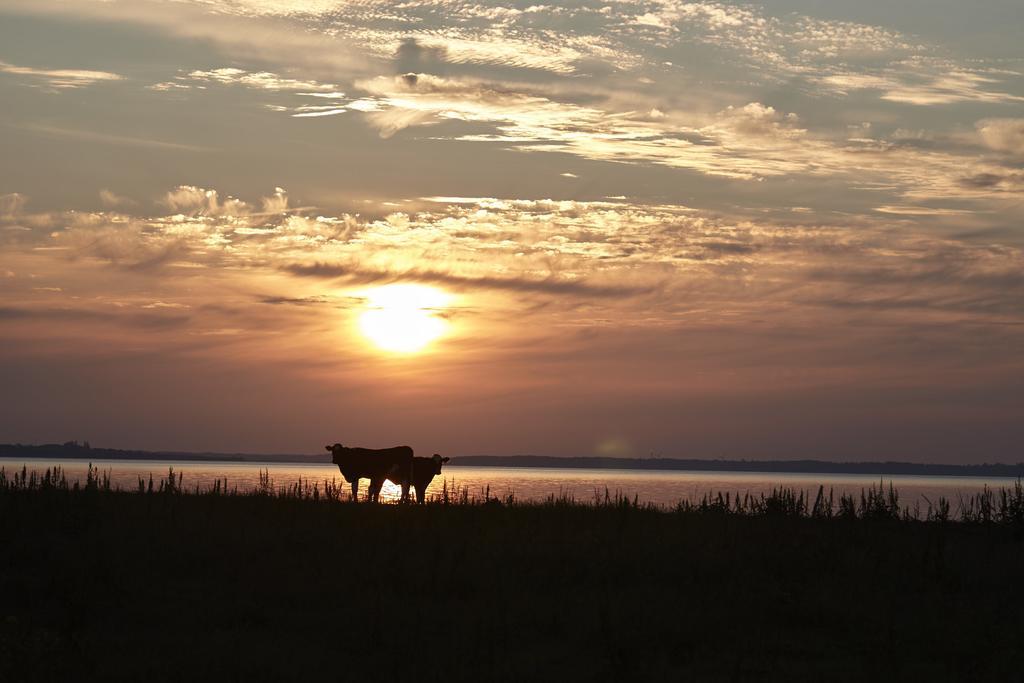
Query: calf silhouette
point(423, 472)
point(375, 464)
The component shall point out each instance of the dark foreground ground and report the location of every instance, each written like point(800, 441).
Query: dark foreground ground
point(102, 585)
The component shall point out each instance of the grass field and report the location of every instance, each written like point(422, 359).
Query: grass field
point(285, 584)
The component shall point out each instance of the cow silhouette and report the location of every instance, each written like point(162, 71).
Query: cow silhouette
point(375, 464)
point(423, 472)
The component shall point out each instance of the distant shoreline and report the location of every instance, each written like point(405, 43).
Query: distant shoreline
point(76, 451)
point(753, 466)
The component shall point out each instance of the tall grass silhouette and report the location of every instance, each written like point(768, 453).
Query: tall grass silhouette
point(876, 502)
point(288, 581)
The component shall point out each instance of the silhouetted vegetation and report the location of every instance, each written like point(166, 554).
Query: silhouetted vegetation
point(293, 581)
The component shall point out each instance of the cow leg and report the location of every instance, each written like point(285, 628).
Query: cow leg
point(355, 490)
point(375, 487)
point(405, 492)
point(411, 479)
point(421, 494)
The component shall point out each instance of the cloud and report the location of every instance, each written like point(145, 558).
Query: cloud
point(12, 205)
point(574, 252)
point(203, 230)
point(545, 290)
point(310, 230)
point(312, 112)
point(108, 138)
point(354, 275)
point(758, 120)
point(458, 47)
point(258, 80)
point(146, 321)
point(1003, 135)
point(128, 243)
point(413, 57)
point(761, 236)
point(298, 301)
point(241, 33)
point(996, 180)
point(920, 211)
point(192, 200)
point(585, 39)
point(483, 84)
point(113, 200)
point(740, 142)
point(277, 203)
point(60, 79)
point(923, 82)
point(750, 142)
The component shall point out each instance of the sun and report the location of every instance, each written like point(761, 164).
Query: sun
point(403, 318)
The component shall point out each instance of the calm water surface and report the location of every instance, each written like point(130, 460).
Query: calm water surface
point(661, 488)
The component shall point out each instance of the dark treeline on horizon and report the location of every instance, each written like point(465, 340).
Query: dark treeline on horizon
point(83, 451)
point(787, 466)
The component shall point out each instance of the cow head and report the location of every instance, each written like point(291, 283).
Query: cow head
point(438, 461)
point(337, 450)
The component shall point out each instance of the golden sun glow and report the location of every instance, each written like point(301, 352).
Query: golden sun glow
point(403, 318)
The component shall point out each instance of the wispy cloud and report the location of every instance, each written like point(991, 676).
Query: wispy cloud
point(924, 82)
point(59, 79)
point(113, 200)
point(259, 80)
point(145, 321)
point(1003, 135)
point(354, 275)
point(749, 142)
point(108, 138)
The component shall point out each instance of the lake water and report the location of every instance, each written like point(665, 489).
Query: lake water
point(658, 487)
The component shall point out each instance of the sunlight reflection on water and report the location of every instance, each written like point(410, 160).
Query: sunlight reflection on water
point(659, 487)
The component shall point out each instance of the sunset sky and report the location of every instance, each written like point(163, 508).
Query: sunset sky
point(788, 229)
